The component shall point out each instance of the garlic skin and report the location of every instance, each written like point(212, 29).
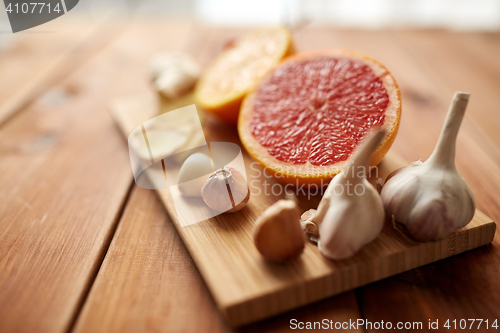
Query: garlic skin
point(350, 220)
point(173, 74)
point(278, 235)
point(310, 227)
point(226, 191)
point(193, 174)
point(432, 199)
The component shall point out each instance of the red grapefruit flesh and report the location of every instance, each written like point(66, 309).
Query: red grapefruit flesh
point(307, 116)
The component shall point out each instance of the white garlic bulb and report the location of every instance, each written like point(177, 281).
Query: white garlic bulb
point(351, 213)
point(193, 174)
point(432, 199)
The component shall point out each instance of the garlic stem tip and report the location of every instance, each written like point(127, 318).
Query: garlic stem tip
point(431, 199)
point(462, 95)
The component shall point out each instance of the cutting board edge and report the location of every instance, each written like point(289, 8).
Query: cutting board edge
point(235, 313)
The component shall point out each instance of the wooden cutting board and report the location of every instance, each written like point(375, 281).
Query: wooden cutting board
point(245, 287)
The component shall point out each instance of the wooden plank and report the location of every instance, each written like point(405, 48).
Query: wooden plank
point(340, 308)
point(67, 173)
point(148, 281)
point(420, 97)
point(425, 102)
point(99, 310)
point(413, 80)
point(33, 61)
point(460, 61)
point(476, 55)
point(474, 140)
point(246, 288)
point(436, 291)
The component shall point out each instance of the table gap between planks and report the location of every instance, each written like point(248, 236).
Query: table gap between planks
point(33, 61)
point(422, 96)
point(458, 287)
point(67, 178)
point(62, 207)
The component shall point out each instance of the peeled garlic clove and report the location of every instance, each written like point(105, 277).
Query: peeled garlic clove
point(226, 191)
point(193, 174)
point(353, 214)
point(278, 235)
point(308, 226)
point(432, 199)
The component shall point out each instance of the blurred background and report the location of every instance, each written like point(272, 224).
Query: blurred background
point(81, 250)
point(371, 14)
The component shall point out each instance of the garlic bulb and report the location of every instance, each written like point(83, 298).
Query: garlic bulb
point(351, 213)
point(277, 233)
point(432, 199)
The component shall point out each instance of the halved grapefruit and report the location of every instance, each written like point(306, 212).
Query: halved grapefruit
point(238, 68)
point(306, 116)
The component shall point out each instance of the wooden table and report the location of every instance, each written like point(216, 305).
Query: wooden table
point(82, 249)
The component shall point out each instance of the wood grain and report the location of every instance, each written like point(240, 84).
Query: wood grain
point(204, 45)
point(437, 291)
point(426, 99)
point(458, 62)
point(67, 173)
point(148, 282)
point(246, 288)
point(63, 248)
point(26, 70)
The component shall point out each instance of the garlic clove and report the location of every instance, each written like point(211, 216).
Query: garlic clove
point(174, 74)
point(226, 191)
point(310, 227)
point(193, 174)
point(238, 190)
point(353, 213)
point(166, 142)
point(278, 235)
point(167, 135)
point(432, 199)
point(350, 224)
point(174, 83)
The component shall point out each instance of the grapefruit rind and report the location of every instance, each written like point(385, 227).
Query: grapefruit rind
point(306, 174)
